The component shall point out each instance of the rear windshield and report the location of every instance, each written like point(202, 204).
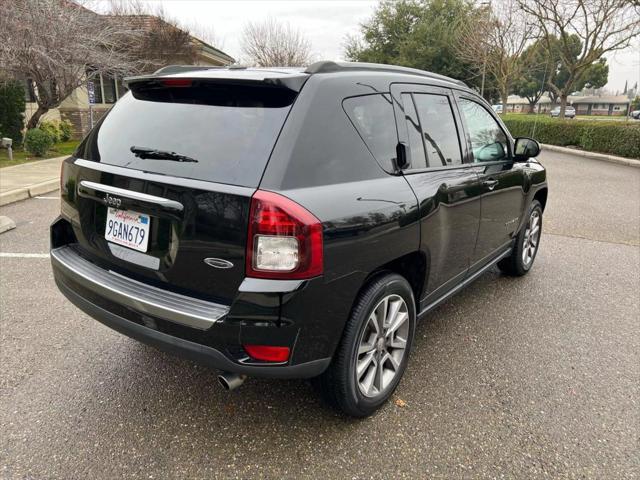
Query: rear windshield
point(229, 129)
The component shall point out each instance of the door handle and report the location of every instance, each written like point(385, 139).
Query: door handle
point(490, 184)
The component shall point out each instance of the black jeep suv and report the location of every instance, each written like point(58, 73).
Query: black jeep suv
point(293, 223)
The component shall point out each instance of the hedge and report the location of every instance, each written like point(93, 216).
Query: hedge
point(12, 104)
point(37, 142)
point(613, 137)
point(59, 131)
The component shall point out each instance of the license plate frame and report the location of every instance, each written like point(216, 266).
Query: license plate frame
point(128, 228)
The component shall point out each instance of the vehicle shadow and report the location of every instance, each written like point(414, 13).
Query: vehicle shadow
point(147, 398)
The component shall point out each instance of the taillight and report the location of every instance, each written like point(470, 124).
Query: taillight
point(285, 240)
point(267, 353)
point(177, 82)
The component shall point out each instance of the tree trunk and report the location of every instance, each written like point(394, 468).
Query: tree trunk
point(503, 97)
point(35, 118)
point(532, 106)
point(563, 104)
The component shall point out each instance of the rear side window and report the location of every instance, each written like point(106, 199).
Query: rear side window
point(372, 115)
point(439, 132)
point(229, 129)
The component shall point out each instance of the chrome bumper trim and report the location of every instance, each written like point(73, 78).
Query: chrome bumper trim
point(188, 311)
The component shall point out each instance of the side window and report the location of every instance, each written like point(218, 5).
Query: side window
point(372, 115)
point(488, 141)
point(109, 86)
point(414, 130)
point(439, 131)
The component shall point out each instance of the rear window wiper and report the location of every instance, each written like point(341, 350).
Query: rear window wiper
point(155, 154)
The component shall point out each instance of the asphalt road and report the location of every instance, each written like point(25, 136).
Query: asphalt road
point(536, 377)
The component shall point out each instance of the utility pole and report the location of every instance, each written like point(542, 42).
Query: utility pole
point(484, 70)
point(487, 8)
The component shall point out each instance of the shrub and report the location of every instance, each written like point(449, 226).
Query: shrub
point(37, 142)
point(66, 130)
point(52, 128)
point(615, 137)
point(12, 104)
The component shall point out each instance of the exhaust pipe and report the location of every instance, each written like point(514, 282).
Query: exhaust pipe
point(231, 381)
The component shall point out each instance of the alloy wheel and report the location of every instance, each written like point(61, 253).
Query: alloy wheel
point(382, 346)
point(531, 238)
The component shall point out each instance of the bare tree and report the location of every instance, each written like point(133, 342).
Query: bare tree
point(158, 39)
point(274, 44)
point(162, 39)
point(601, 26)
point(53, 42)
point(494, 43)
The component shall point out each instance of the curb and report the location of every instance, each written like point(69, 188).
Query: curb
point(44, 187)
point(630, 162)
point(6, 224)
point(28, 192)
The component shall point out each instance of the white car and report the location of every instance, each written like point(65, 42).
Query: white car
point(569, 112)
point(497, 108)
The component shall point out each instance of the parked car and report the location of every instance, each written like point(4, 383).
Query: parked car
point(635, 114)
point(569, 112)
point(497, 108)
point(293, 223)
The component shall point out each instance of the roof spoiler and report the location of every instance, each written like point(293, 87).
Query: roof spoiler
point(223, 75)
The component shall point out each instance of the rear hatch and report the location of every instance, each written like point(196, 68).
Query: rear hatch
point(160, 189)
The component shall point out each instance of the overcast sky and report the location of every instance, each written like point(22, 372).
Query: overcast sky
point(326, 24)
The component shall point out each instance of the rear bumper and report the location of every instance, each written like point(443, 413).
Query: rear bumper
point(191, 312)
point(162, 320)
point(193, 351)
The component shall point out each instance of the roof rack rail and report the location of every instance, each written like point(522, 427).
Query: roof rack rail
point(183, 68)
point(331, 67)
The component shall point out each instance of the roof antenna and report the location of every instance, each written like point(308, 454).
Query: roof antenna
point(535, 120)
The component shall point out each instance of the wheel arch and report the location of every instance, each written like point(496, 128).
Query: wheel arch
point(412, 266)
point(541, 196)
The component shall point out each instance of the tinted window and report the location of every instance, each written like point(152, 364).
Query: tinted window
point(439, 130)
point(230, 130)
point(414, 131)
point(372, 115)
point(109, 86)
point(488, 141)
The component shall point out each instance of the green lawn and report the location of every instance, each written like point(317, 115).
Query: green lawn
point(20, 156)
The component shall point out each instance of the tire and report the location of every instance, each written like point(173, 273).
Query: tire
point(519, 264)
point(338, 384)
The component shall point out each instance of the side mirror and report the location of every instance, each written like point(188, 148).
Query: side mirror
point(526, 148)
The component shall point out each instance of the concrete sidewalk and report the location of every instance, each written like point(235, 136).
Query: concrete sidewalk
point(29, 179)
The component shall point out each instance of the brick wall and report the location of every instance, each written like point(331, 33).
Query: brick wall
point(80, 119)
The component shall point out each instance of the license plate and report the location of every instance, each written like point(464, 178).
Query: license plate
point(128, 228)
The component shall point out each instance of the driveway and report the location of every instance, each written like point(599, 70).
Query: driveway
point(513, 378)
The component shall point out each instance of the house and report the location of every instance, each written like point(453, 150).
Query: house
point(601, 104)
point(584, 105)
point(516, 104)
point(108, 89)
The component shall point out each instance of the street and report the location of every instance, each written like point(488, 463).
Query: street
point(533, 377)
